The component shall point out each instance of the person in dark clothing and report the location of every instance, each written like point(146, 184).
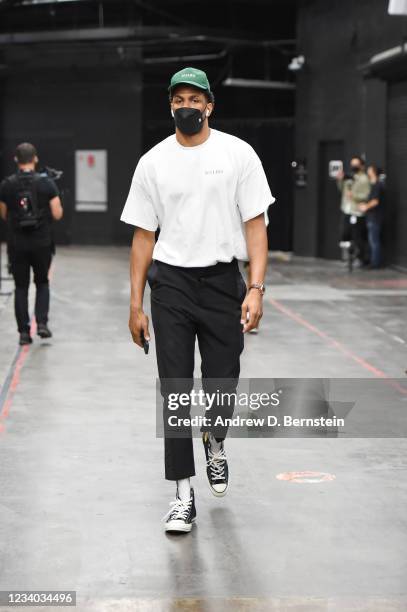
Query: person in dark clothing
point(29, 202)
point(373, 210)
point(354, 189)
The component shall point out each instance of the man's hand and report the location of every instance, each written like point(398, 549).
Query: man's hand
point(140, 259)
point(252, 305)
point(363, 207)
point(138, 322)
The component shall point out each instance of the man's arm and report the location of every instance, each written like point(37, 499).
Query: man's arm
point(257, 248)
point(56, 208)
point(372, 200)
point(369, 205)
point(372, 203)
point(140, 259)
point(3, 211)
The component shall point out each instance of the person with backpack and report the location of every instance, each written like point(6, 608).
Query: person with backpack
point(29, 202)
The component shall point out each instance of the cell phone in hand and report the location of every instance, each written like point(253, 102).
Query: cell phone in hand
point(145, 343)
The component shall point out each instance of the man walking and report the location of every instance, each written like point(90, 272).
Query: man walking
point(208, 194)
point(29, 201)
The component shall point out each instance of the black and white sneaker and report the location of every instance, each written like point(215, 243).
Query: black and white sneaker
point(25, 338)
point(44, 331)
point(181, 514)
point(216, 467)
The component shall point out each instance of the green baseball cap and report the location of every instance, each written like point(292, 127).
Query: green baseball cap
point(190, 76)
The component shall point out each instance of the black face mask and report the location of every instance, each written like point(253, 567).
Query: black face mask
point(189, 120)
point(355, 169)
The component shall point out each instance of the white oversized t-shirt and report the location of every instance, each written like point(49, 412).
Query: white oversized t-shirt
point(199, 197)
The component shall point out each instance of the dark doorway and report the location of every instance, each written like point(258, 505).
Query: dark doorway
point(329, 213)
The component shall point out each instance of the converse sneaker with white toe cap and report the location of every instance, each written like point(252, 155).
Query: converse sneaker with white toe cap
point(181, 514)
point(217, 468)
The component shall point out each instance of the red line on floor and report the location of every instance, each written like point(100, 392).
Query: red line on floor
point(334, 343)
point(13, 384)
point(16, 368)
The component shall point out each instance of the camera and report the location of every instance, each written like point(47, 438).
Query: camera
point(51, 173)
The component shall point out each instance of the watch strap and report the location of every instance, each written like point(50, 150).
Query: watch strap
point(259, 286)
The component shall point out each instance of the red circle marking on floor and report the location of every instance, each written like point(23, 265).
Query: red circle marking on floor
point(306, 477)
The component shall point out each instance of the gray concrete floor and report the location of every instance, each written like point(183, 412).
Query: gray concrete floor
point(81, 476)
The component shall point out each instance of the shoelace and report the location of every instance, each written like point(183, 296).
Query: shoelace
point(179, 509)
point(216, 463)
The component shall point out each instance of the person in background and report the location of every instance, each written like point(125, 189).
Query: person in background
point(355, 189)
point(373, 209)
point(29, 202)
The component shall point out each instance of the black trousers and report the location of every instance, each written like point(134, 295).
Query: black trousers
point(189, 304)
point(357, 232)
point(23, 259)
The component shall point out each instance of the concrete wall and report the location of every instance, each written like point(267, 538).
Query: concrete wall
point(334, 101)
point(110, 94)
point(77, 104)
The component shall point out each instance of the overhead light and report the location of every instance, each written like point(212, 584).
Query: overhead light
point(388, 54)
point(30, 2)
point(184, 58)
point(398, 7)
point(297, 63)
point(257, 83)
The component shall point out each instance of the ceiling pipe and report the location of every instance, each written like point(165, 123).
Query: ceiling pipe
point(258, 84)
point(184, 58)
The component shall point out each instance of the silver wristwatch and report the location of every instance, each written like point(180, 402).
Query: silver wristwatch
point(260, 286)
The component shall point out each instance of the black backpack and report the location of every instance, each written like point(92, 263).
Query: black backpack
point(25, 214)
